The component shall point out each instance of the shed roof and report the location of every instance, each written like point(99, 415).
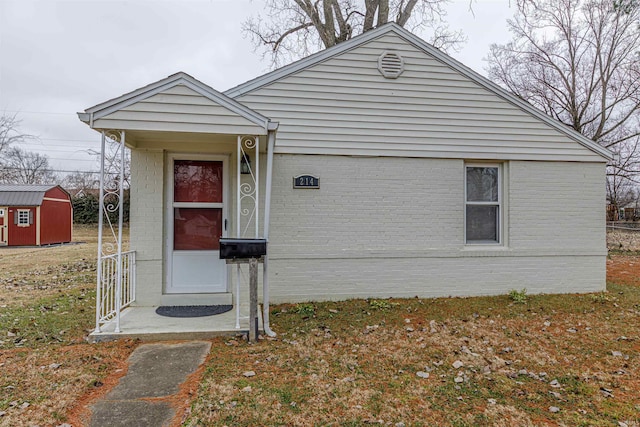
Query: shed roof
point(23, 194)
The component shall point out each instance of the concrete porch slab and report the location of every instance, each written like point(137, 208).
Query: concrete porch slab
point(143, 323)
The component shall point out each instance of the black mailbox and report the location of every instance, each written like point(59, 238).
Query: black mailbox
point(242, 248)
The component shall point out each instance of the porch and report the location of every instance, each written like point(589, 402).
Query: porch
point(145, 324)
point(197, 163)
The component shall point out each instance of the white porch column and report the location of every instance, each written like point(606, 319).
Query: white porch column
point(271, 143)
point(100, 225)
point(109, 298)
point(247, 198)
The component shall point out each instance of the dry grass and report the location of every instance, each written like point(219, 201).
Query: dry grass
point(348, 363)
point(29, 272)
point(623, 240)
point(357, 362)
point(47, 308)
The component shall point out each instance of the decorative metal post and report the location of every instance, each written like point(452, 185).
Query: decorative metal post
point(109, 292)
point(100, 225)
point(246, 193)
point(120, 220)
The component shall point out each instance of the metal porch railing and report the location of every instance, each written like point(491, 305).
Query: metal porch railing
point(115, 291)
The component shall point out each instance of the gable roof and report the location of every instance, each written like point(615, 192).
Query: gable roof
point(23, 194)
point(414, 40)
point(108, 107)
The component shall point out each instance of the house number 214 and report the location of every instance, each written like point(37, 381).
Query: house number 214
point(306, 181)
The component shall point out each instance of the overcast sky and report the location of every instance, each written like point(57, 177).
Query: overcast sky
point(60, 57)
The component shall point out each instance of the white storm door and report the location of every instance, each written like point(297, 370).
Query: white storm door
point(197, 217)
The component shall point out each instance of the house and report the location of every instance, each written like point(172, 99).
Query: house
point(34, 215)
point(380, 167)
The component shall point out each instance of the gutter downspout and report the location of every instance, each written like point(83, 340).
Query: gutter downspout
point(271, 140)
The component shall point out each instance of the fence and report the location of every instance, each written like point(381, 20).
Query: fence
point(622, 214)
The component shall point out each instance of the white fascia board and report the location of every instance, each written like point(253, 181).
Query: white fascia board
point(113, 105)
point(273, 125)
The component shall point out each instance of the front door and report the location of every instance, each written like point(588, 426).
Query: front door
point(196, 220)
point(4, 218)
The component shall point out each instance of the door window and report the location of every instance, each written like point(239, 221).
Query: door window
point(197, 181)
point(197, 205)
point(197, 229)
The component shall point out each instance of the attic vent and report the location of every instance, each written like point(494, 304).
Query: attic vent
point(390, 65)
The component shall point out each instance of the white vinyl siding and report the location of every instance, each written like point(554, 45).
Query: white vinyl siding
point(178, 109)
point(345, 106)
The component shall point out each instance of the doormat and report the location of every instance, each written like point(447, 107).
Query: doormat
point(192, 310)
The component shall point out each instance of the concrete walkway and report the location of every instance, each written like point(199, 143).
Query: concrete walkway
point(142, 396)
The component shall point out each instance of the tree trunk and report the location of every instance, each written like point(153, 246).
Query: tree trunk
point(383, 12)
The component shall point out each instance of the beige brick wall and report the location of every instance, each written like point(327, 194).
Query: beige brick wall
point(295, 280)
point(394, 227)
point(557, 206)
point(366, 204)
point(147, 223)
point(381, 226)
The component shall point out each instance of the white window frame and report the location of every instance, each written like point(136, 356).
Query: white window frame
point(21, 218)
point(500, 217)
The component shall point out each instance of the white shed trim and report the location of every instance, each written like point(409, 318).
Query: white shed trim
point(355, 42)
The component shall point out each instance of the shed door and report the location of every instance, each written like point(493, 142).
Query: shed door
point(4, 213)
point(197, 221)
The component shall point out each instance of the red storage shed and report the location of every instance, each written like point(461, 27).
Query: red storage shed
point(34, 215)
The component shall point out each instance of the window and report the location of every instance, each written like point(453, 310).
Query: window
point(483, 201)
point(198, 204)
point(23, 218)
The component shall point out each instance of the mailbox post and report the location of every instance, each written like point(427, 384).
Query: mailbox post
point(253, 299)
point(242, 251)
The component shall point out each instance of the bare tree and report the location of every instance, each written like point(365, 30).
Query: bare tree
point(81, 182)
point(626, 6)
point(112, 165)
point(25, 167)
point(578, 61)
point(620, 191)
point(291, 29)
point(10, 133)
point(17, 165)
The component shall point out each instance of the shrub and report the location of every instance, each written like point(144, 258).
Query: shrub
point(602, 297)
point(85, 209)
point(518, 297)
point(380, 304)
point(306, 310)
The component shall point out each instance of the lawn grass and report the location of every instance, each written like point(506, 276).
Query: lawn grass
point(340, 363)
point(357, 362)
point(47, 308)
